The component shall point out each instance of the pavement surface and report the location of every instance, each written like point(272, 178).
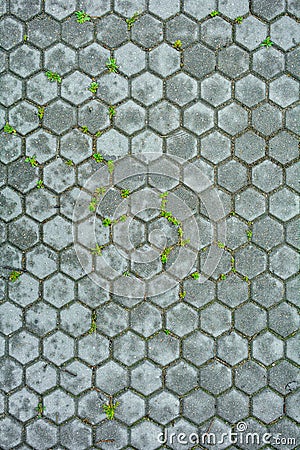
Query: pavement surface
point(176, 312)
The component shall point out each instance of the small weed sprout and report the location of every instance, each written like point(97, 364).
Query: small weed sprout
point(223, 277)
point(82, 16)
point(111, 111)
point(110, 166)
point(97, 250)
point(232, 262)
point(178, 44)
point(126, 274)
point(32, 160)
point(93, 328)
point(98, 134)
point(69, 162)
point(94, 87)
point(95, 199)
point(239, 20)
point(14, 276)
point(84, 129)
point(106, 222)
point(125, 193)
point(267, 42)
point(112, 66)
point(249, 234)
point(25, 37)
point(131, 20)
point(165, 254)
point(110, 408)
point(9, 129)
point(41, 111)
point(195, 275)
point(53, 76)
point(182, 294)
point(167, 332)
point(98, 157)
point(221, 245)
point(40, 184)
point(214, 13)
point(246, 278)
point(40, 410)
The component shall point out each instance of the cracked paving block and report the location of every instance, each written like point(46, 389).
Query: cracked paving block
point(198, 348)
point(233, 61)
point(233, 406)
point(25, 9)
point(23, 233)
point(284, 204)
point(182, 144)
point(11, 433)
point(112, 31)
point(60, 59)
point(94, 116)
point(22, 405)
point(250, 204)
point(250, 319)
point(77, 435)
point(75, 146)
point(199, 294)
point(181, 320)
point(76, 378)
point(262, 8)
point(293, 61)
point(215, 319)
point(128, 348)
point(58, 348)
point(267, 348)
point(284, 262)
point(250, 90)
point(250, 261)
point(199, 61)
point(249, 147)
point(181, 378)
point(284, 377)
point(41, 318)
point(43, 31)
point(233, 119)
point(250, 377)
point(11, 32)
point(111, 378)
point(146, 378)
point(93, 349)
point(215, 377)
point(11, 318)
point(198, 118)
point(181, 89)
point(24, 291)
point(164, 407)
point(75, 319)
point(285, 32)
point(164, 60)
point(232, 176)
point(148, 33)
point(268, 62)
point(182, 28)
point(41, 434)
point(251, 32)
point(131, 408)
point(111, 319)
point(292, 178)
point(10, 204)
point(198, 406)
point(42, 145)
point(232, 348)
point(92, 59)
point(232, 291)
point(267, 290)
point(292, 235)
point(40, 90)
point(70, 88)
point(283, 147)
point(292, 122)
point(147, 88)
point(216, 32)
point(130, 117)
point(41, 261)
point(11, 90)
point(216, 89)
point(267, 406)
point(59, 406)
point(76, 34)
point(215, 147)
point(267, 233)
point(60, 9)
point(284, 91)
point(146, 319)
point(164, 118)
point(89, 407)
point(22, 176)
point(163, 348)
point(10, 146)
point(167, 9)
point(59, 117)
point(10, 374)
point(40, 204)
point(23, 117)
point(131, 59)
point(41, 376)
point(267, 119)
point(24, 347)
point(267, 176)
point(58, 176)
point(113, 88)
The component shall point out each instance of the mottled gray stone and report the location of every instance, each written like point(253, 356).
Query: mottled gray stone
point(182, 28)
point(10, 374)
point(250, 204)
point(267, 176)
point(250, 319)
point(60, 59)
point(233, 406)
point(164, 118)
point(292, 122)
point(41, 318)
point(164, 407)
point(11, 318)
point(25, 9)
point(58, 290)
point(148, 33)
point(11, 90)
point(41, 376)
point(216, 32)
point(233, 119)
point(284, 91)
point(232, 291)
point(181, 89)
point(130, 117)
point(293, 61)
point(22, 405)
point(181, 378)
point(89, 407)
point(199, 61)
point(23, 117)
point(11, 32)
point(163, 348)
point(284, 377)
point(182, 144)
point(267, 233)
point(11, 433)
point(25, 290)
point(76, 34)
point(40, 90)
point(251, 32)
point(216, 89)
point(10, 206)
point(58, 348)
point(267, 348)
point(267, 406)
point(233, 61)
point(43, 31)
point(145, 319)
point(215, 147)
point(128, 348)
point(250, 261)
point(77, 435)
point(199, 11)
point(232, 175)
point(283, 147)
point(250, 377)
point(10, 146)
point(284, 204)
point(215, 377)
point(111, 31)
point(59, 406)
point(198, 118)
point(266, 10)
point(215, 319)
point(70, 88)
point(59, 117)
point(146, 378)
point(267, 119)
point(111, 378)
point(93, 349)
point(285, 32)
point(42, 145)
point(268, 62)
point(75, 319)
point(77, 378)
point(232, 348)
point(250, 90)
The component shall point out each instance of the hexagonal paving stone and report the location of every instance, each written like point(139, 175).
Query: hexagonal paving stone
point(181, 89)
point(164, 60)
point(128, 348)
point(182, 28)
point(232, 291)
point(23, 117)
point(73, 34)
point(57, 233)
point(94, 116)
point(76, 378)
point(10, 204)
point(233, 61)
point(215, 377)
point(279, 32)
point(22, 176)
point(267, 233)
point(215, 147)
point(262, 8)
point(292, 235)
point(76, 146)
point(130, 117)
point(112, 319)
point(70, 88)
point(233, 406)
point(284, 204)
point(88, 407)
point(41, 261)
point(267, 119)
point(142, 435)
point(199, 11)
point(249, 147)
point(40, 90)
point(75, 319)
point(70, 265)
point(292, 122)
point(40, 204)
point(182, 144)
point(233, 119)
point(215, 319)
point(11, 432)
point(146, 378)
point(25, 290)
point(292, 61)
point(284, 319)
point(43, 31)
point(250, 204)
point(181, 378)
point(60, 9)
point(41, 434)
point(11, 32)
point(11, 90)
point(284, 91)
point(24, 347)
point(20, 8)
point(283, 147)
point(292, 288)
point(111, 31)
point(100, 8)
point(59, 406)
point(164, 118)
point(267, 348)
point(199, 61)
point(232, 176)
point(10, 374)
point(145, 319)
point(41, 318)
point(11, 318)
point(146, 142)
point(181, 320)
point(23, 233)
point(149, 33)
point(251, 32)
point(250, 90)
point(93, 349)
point(291, 177)
point(22, 404)
point(250, 319)
point(111, 378)
point(132, 408)
point(10, 145)
point(58, 176)
point(76, 435)
point(120, 147)
point(284, 427)
point(216, 32)
point(113, 88)
point(42, 145)
point(198, 348)
point(131, 59)
point(292, 403)
point(164, 407)
point(284, 262)
point(267, 406)
point(170, 8)
point(292, 350)
point(147, 88)
point(198, 406)
point(250, 377)
point(60, 59)
point(163, 348)
point(267, 176)
point(267, 290)
point(198, 118)
point(59, 117)
point(232, 348)
point(41, 376)
point(58, 348)
point(268, 62)
point(216, 89)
